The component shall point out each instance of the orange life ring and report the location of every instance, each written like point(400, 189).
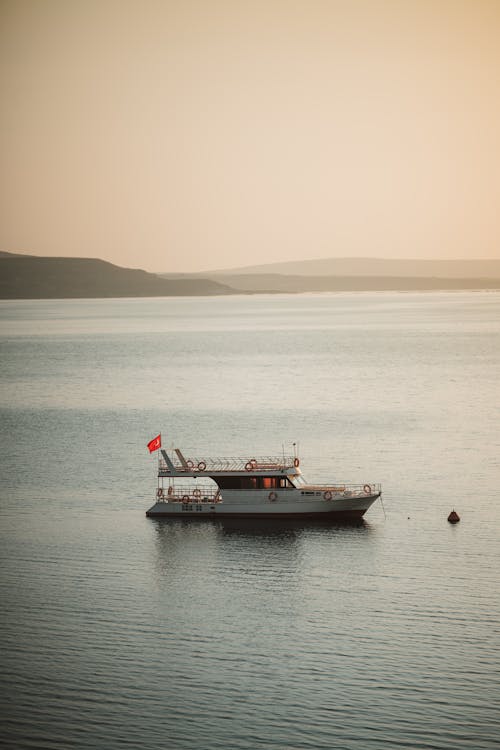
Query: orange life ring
point(273, 496)
point(202, 466)
point(367, 489)
point(327, 495)
point(296, 463)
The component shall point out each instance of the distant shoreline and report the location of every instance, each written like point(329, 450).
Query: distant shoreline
point(473, 290)
point(33, 277)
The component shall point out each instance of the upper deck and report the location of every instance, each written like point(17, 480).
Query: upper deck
point(176, 465)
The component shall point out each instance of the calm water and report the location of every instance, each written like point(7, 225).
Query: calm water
point(122, 631)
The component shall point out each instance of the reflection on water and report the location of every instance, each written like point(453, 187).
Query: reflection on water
point(181, 541)
point(288, 560)
point(273, 527)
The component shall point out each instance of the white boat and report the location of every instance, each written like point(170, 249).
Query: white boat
point(270, 487)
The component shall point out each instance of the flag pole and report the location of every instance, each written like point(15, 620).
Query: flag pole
point(158, 455)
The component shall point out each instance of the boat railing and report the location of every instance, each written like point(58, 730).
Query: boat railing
point(345, 489)
point(197, 494)
point(206, 465)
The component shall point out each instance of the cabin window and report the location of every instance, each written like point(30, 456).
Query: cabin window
point(237, 483)
point(271, 483)
point(252, 483)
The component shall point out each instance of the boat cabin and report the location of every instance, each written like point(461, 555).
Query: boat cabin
point(252, 482)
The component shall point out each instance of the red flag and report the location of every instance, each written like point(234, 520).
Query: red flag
point(155, 443)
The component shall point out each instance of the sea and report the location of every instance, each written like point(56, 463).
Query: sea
point(122, 631)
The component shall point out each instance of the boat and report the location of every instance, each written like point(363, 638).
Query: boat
point(269, 487)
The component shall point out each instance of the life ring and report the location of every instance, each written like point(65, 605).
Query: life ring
point(197, 492)
point(249, 466)
point(367, 489)
point(170, 490)
point(202, 466)
point(189, 464)
point(296, 463)
point(327, 495)
point(273, 496)
point(186, 499)
point(159, 492)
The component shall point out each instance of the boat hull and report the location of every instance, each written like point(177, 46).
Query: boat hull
point(343, 509)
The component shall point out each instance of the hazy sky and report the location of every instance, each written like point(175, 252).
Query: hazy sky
point(202, 134)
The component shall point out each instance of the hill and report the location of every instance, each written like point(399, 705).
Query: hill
point(32, 277)
point(5, 254)
point(279, 283)
point(388, 267)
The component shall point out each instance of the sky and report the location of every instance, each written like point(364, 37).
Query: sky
point(199, 134)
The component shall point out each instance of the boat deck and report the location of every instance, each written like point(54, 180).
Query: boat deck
point(180, 465)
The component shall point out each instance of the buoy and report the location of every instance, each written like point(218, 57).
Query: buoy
point(453, 517)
